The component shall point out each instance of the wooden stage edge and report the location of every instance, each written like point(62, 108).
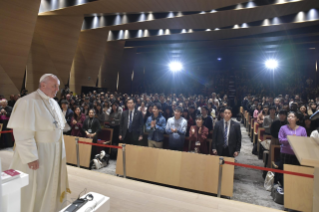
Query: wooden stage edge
point(134, 196)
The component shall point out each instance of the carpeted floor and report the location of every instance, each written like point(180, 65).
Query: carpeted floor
point(248, 184)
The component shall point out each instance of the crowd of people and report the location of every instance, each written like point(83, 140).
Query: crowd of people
point(131, 116)
point(281, 117)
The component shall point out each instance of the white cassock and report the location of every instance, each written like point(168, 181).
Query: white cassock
point(37, 122)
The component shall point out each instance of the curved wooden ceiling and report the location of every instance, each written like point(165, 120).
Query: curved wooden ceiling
point(231, 16)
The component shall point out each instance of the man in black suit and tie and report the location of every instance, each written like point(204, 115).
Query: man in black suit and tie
point(227, 136)
point(131, 126)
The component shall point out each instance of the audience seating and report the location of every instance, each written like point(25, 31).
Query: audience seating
point(251, 131)
point(261, 137)
point(105, 134)
point(255, 132)
point(275, 143)
point(0, 129)
point(274, 153)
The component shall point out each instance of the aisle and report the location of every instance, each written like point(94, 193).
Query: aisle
point(248, 183)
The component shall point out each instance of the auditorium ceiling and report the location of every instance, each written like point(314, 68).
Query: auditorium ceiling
point(195, 24)
point(82, 41)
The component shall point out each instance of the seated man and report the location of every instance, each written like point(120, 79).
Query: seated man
point(276, 125)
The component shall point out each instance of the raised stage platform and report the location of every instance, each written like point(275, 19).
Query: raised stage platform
point(134, 196)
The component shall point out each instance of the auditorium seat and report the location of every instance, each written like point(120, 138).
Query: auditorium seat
point(274, 142)
point(105, 134)
point(255, 134)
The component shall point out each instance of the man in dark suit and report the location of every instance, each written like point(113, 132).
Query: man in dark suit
point(227, 136)
point(131, 125)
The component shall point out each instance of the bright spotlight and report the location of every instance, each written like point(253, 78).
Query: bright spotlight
point(175, 66)
point(271, 64)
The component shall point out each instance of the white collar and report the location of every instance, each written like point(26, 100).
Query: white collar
point(43, 95)
point(131, 110)
point(227, 121)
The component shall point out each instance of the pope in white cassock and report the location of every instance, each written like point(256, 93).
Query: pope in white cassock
point(37, 122)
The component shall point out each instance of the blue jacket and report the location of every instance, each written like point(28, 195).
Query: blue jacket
point(156, 134)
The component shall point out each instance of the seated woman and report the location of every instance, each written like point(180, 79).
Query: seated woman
point(257, 111)
point(99, 114)
point(308, 125)
point(198, 136)
point(114, 121)
point(77, 122)
point(262, 115)
point(142, 108)
point(287, 154)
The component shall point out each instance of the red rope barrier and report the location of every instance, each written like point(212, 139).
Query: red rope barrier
point(3, 132)
point(101, 145)
point(268, 169)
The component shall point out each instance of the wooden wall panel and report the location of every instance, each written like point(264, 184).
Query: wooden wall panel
point(139, 75)
point(17, 22)
point(127, 68)
point(53, 47)
point(192, 171)
point(7, 87)
point(88, 59)
point(298, 190)
point(112, 64)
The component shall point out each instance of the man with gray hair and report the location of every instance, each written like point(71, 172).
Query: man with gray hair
point(38, 122)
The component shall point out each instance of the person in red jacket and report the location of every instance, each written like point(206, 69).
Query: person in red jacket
point(198, 136)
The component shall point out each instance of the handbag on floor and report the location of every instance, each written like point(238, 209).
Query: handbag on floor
point(269, 181)
point(277, 194)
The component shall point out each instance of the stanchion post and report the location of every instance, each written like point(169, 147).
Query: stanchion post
point(124, 160)
point(221, 162)
point(77, 152)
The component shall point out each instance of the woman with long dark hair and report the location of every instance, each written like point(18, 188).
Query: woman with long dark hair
point(261, 116)
point(77, 122)
point(198, 136)
point(257, 111)
point(114, 121)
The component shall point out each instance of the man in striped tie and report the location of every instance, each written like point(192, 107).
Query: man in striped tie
point(131, 125)
point(227, 136)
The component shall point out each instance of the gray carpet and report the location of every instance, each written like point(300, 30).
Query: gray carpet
point(248, 184)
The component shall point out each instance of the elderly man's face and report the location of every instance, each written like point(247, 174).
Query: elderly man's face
point(50, 87)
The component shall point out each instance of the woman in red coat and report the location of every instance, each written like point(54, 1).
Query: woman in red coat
point(77, 123)
point(198, 136)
